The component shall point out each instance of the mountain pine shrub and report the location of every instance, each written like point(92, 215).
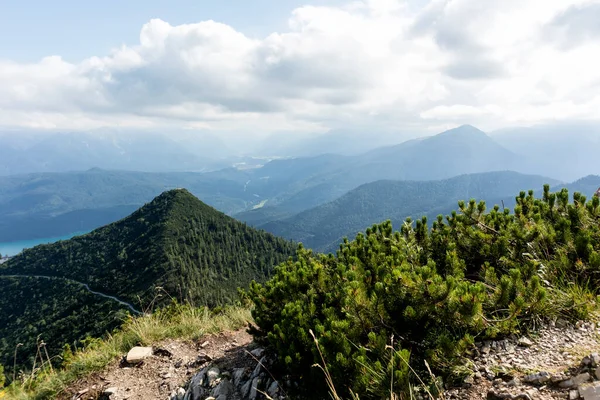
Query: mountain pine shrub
point(389, 299)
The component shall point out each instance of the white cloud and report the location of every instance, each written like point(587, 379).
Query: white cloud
point(371, 62)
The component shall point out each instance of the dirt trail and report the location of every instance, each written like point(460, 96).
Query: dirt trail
point(174, 362)
point(85, 285)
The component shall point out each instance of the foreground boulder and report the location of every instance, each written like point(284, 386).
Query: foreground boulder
point(138, 354)
point(213, 382)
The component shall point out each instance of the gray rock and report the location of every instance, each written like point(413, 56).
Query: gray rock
point(245, 389)
point(273, 390)
point(592, 360)
point(180, 393)
point(253, 388)
point(258, 368)
point(238, 375)
point(573, 394)
point(258, 353)
point(514, 382)
point(582, 378)
point(590, 391)
point(597, 373)
point(469, 380)
point(575, 381)
point(538, 379)
point(556, 378)
point(494, 395)
point(567, 384)
point(223, 390)
point(138, 354)
point(525, 342)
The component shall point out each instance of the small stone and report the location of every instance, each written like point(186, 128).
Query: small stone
point(202, 358)
point(567, 384)
point(469, 380)
point(165, 375)
point(138, 354)
point(258, 353)
point(525, 342)
point(212, 375)
point(203, 345)
point(110, 391)
point(561, 323)
point(514, 382)
point(556, 378)
point(537, 379)
point(573, 394)
point(180, 393)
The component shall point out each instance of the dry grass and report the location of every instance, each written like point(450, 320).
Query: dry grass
point(180, 321)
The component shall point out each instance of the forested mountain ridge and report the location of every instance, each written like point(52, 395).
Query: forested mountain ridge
point(176, 242)
point(189, 250)
point(322, 228)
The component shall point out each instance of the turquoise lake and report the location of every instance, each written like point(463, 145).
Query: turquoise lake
point(14, 248)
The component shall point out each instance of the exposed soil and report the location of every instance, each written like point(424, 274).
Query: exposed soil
point(173, 363)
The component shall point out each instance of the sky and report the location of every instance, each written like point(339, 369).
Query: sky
point(297, 66)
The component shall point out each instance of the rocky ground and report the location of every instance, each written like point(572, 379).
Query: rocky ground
point(559, 362)
point(170, 367)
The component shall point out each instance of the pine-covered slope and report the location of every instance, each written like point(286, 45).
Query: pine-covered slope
point(175, 242)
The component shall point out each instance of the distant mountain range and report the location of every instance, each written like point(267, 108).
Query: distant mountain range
point(173, 247)
point(536, 149)
point(53, 204)
point(566, 151)
point(323, 227)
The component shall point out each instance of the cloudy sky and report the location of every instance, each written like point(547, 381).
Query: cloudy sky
point(291, 65)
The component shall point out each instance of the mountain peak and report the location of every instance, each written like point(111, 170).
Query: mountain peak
point(463, 130)
point(176, 203)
